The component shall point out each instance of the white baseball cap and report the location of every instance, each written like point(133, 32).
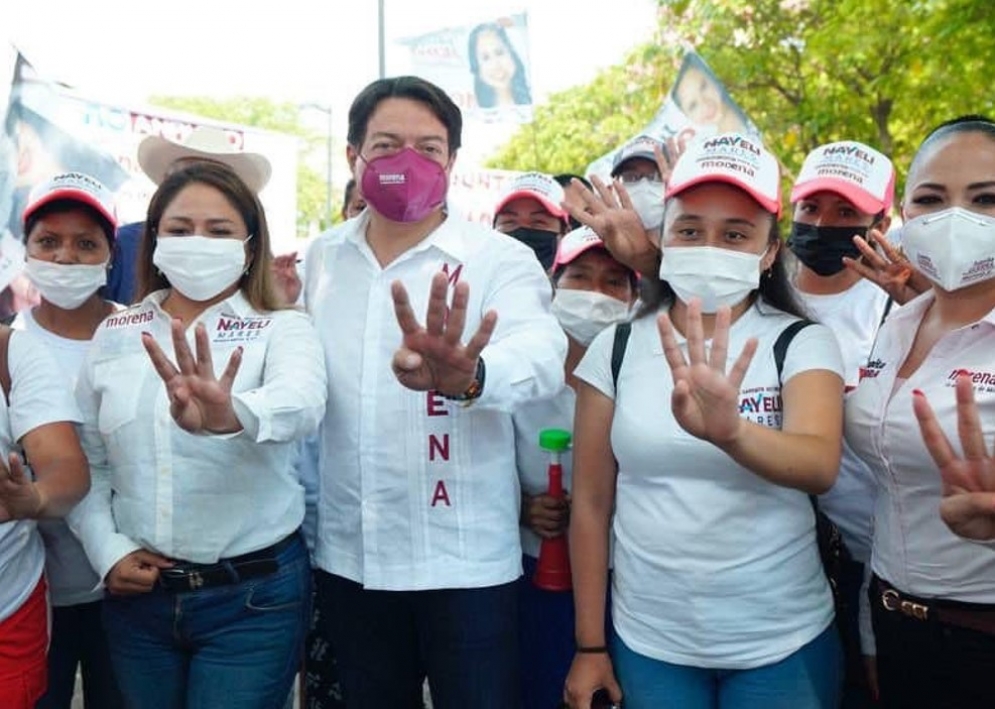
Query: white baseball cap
point(735, 159)
point(857, 172)
point(538, 186)
point(76, 187)
point(639, 147)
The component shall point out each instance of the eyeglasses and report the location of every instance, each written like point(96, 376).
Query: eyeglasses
point(631, 178)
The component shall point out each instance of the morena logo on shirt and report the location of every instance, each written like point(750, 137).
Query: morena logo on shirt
point(127, 319)
point(871, 369)
point(983, 381)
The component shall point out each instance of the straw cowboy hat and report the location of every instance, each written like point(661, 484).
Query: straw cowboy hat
point(156, 156)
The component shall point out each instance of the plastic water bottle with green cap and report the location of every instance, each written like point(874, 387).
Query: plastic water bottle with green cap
point(553, 569)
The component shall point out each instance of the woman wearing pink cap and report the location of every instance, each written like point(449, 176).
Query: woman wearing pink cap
point(719, 596)
point(69, 225)
point(37, 424)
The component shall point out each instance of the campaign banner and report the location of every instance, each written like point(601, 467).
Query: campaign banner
point(697, 105)
point(485, 68)
point(475, 191)
point(50, 128)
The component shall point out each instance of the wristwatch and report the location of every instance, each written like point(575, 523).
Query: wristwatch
point(476, 388)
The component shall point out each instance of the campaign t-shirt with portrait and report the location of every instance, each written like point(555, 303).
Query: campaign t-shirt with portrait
point(714, 566)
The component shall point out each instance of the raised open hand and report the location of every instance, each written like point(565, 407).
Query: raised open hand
point(883, 264)
point(434, 357)
point(198, 400)
point(968, 505)
point(705, 400)
point(609, 213)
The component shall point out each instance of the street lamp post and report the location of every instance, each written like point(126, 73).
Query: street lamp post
point(327, 110)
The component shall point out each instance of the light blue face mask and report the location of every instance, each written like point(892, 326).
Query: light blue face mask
point(647, 200)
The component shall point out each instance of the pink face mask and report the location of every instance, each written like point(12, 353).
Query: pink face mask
point(405, 187)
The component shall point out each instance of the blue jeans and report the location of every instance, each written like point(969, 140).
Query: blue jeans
point(78, 640)
point(809, 678)
point(465, 640)
point(227, 647)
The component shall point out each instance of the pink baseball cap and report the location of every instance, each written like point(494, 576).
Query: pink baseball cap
point(76, 187)
point(575, 243)
point(738, 160)
point(538, 186)
point(856, 172)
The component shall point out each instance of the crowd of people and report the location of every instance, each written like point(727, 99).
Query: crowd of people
point(221, 473)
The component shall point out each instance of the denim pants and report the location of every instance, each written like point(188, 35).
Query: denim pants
point(79, 641)
point(809, 678)
point(226, 647)
point(465, 640)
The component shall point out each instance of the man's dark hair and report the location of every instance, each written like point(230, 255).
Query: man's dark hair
point(350, 187)
point(409, 87)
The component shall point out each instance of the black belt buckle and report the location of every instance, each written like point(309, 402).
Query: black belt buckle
point(182, 577)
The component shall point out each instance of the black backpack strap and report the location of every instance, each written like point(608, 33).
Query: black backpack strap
point(622, 331)
point(784, 341)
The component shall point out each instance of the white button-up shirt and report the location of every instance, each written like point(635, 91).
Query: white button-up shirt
point(195, 497)
point(418, 492)
point(912, 547)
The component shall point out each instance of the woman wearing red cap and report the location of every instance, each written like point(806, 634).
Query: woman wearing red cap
point(39, 417)
point(69, 236)
point(719, 596)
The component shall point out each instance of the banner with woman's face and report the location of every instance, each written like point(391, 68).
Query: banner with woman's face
point(484, 67)
point(698, 105)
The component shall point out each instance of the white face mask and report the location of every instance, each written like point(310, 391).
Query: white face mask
point(65, 285)
point(953, 248)
point(717, 276)
point(583, 314)
point(647, 200)
point(200, 267)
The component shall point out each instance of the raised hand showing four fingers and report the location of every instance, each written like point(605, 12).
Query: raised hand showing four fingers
point(705, 399)
point(198, 401)
point(968, 505)
point(434, 357)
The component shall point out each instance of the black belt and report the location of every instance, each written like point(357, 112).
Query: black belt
point(188, 576)
point(979, 617)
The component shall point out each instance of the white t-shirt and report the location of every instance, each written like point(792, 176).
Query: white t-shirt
point(71, 579)
point(714, 566)
point(853, 316)
point(37, 397)
point(913, 549)
point(533, 462)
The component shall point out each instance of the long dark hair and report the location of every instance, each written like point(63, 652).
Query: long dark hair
point(486, 96)
point(774, 290)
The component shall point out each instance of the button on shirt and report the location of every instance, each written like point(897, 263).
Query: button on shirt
point(37, 398)
point(418, 492)
point(195, 497)
point(913, 549)
point(714, 566)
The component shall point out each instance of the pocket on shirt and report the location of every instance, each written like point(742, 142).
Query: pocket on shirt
point(120, 382)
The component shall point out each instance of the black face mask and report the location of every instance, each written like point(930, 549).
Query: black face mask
point(822, 248)
point(542, 242)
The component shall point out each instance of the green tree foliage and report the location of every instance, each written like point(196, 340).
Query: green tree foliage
point(269, 115)
point(805, 71)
